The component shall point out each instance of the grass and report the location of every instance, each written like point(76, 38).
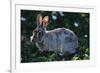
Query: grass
point(83, 54)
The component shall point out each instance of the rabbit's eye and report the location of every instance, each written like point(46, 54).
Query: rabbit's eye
point(39, 33)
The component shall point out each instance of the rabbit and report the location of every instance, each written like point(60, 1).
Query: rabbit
point(59, 40)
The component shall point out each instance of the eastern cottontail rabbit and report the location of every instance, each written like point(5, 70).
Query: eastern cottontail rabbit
point(59, 40)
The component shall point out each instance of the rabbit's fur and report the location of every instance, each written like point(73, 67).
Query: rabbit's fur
point(59, 40)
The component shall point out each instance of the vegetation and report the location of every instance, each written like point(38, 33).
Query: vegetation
point(77, 22)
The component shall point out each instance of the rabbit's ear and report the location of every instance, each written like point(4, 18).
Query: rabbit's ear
point(39, 19)
point(45, 21)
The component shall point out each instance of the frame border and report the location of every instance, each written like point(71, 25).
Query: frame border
point(13, 69)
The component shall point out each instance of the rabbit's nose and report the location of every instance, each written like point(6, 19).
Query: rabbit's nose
point(31, 38)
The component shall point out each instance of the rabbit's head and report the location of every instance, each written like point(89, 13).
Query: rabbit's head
point(39, 31)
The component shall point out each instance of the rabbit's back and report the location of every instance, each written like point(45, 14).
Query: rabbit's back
point(60, 40)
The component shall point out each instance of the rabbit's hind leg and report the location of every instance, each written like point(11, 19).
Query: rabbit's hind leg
point(59, 55)
point(61, 52)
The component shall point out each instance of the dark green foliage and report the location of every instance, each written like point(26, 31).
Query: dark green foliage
point(77, 22)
